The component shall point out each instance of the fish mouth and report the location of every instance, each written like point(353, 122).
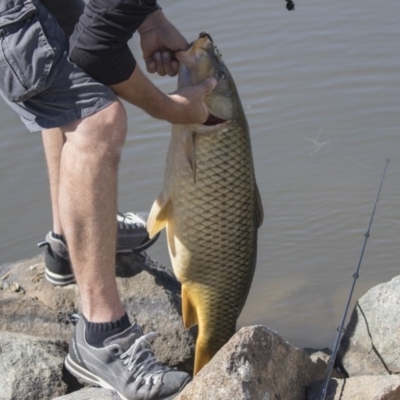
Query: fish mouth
point(196, 50)
point(213, 120)
point(197, 64)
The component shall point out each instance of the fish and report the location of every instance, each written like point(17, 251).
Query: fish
point(210, 205)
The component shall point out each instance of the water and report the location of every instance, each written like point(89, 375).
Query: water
point(321, 90)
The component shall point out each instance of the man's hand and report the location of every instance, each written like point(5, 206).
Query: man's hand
point(160, 40)
point(189, 103)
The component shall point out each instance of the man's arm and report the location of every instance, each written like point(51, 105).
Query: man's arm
point(99, 47)
point(160, 40)
point(185, 106)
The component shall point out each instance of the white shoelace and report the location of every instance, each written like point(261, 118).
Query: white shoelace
point(147, 368)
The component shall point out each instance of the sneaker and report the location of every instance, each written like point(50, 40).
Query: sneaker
point(58, 269)
point(132, 237)
point(125, 365)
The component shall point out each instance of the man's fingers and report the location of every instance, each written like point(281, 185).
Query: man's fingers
point(163, 63)
point(151, 66)
point(157, 57)
point(167, 63)
point(175, 66)
point(208, 86)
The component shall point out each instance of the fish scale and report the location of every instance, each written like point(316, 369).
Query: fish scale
point(211, 209)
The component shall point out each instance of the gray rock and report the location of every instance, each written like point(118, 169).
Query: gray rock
point(321, 359)
point(31, 368)
point(151, 295)
point(90, 394)
point(43, 310)
point(358, 388)
point(150, 292)
point(256, 364)
point(370, 345)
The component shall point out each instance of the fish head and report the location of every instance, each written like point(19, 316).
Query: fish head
point(203, 60)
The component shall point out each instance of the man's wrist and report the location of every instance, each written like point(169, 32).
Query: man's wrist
point(151, 21)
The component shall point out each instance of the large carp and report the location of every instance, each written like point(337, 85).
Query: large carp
point(210, 205)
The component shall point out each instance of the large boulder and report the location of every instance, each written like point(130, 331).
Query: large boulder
point(358, 388)
point(371, 343)
point(30, 367)
point(256, 364)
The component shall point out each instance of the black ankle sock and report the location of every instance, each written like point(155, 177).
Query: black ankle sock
point(98, 332)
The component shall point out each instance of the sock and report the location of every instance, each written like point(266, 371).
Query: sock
point(98, 332)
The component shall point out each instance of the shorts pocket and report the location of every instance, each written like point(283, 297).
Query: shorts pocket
point(26, 58)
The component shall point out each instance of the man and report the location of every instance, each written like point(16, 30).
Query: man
point(83, 127)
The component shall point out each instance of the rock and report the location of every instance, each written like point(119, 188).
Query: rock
point(150, 292)
point(151, 295)
point(90, 394)
point(31, 368)
point(256, 364)
point(43, 310)
point(358, 388)
point(321, 359)
point(370, 345)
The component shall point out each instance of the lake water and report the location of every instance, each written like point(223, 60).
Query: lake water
point(321, 89)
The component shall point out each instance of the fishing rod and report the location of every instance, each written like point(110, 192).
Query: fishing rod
point(355, 276)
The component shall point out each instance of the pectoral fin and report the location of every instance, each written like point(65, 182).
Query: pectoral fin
point(259, 208)
point(158, 217)
point(190, 151)
point(171, 238)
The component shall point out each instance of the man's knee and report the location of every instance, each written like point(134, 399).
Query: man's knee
point(111, 123)
point(102, 133)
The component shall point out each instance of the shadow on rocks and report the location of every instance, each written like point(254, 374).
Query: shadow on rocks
point(314, 390)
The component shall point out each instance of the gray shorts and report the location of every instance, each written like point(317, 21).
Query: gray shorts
point(37, 79)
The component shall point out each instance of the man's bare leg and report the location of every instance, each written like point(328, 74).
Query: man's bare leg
point(88, 205)
point(53, 141)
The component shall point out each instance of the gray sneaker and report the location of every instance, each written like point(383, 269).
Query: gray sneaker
point(132, 237)
point(125, 364)
point(56, 258)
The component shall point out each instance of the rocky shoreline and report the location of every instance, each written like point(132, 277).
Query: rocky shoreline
point(256, 364)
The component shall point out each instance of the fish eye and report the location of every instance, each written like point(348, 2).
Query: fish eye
point(222, 75)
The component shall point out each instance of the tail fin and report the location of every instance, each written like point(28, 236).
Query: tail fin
point(203, 355)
